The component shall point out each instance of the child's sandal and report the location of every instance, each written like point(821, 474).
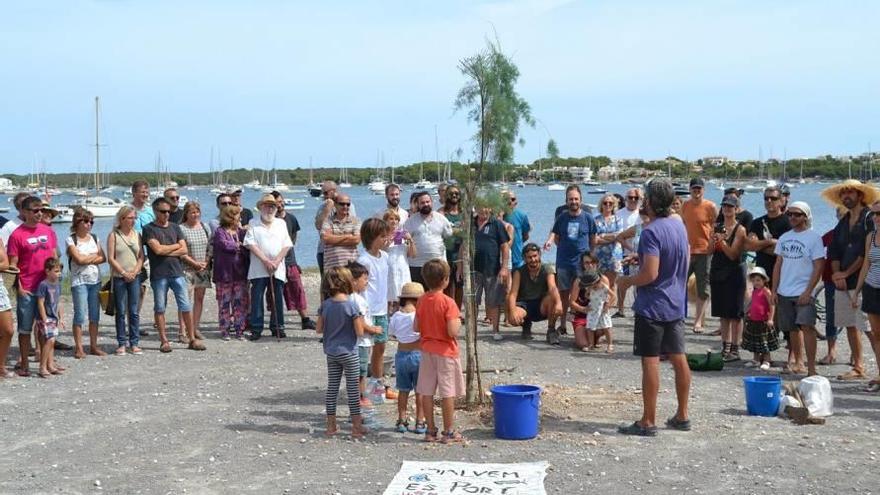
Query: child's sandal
point(421, 428)
point(431, 435)
point(402, 426)
point(453, 437)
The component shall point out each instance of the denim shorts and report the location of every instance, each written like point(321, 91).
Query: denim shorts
point(25, 311)
point(565, 278)
point(381, 321)
point(363, 360)
point(85, 297)
point(406, 365)
point(160, 288)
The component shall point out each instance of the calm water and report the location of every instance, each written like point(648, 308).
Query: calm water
point(536, 201)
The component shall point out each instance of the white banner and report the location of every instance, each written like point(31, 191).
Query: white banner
point(435, 478)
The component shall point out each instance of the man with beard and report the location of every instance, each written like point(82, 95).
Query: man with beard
point(341, 234)
point(660, 308)
point(765, 230)
point(627, 218)
point(294, 291)
point(533, 294)
point(268, 242)
point(799, 262)
point(521, 229)
point(392, 201)
point(451, 209)
point(846, 253)
point(574, 232)
point(246, 214)
point(428, 230)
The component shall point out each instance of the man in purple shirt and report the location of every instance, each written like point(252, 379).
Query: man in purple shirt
point(660, 307)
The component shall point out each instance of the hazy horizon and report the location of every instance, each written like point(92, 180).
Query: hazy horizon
point(349, 83)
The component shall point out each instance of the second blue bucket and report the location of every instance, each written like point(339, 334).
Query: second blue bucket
point(763, 394)
point(516, 409)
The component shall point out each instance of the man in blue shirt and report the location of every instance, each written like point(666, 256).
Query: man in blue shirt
point(660, 307)
point(574, 232)
point(521, 229)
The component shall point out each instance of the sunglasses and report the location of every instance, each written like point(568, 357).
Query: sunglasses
point(633, 198)
point(795, 214)
point(343, 204)
point(226, 203)
point(173, 198)
point(163, 212)
point(89, 222)
point(513, 200)
point(609, 203)
point(771, 198)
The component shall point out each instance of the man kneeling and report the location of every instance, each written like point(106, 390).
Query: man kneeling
point(533, 295)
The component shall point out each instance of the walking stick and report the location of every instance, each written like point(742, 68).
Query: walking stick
point(272, 315)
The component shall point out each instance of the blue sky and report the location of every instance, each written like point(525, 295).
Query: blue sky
point(338, 81)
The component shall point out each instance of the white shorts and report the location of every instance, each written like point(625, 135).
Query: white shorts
point(845, 315)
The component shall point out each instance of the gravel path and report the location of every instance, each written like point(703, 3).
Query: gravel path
point(248, 417)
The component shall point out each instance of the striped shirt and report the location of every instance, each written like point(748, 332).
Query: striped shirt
point(340, 255)
point(873, 276)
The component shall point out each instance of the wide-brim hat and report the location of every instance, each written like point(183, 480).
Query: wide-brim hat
point(870, 194)
point(412, 290)
point(267, 198)
point(759, 271)
point(47, 208)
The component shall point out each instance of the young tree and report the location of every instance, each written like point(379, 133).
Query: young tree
point(492, 103)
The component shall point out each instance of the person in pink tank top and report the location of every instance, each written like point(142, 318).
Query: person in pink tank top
point(759, 335)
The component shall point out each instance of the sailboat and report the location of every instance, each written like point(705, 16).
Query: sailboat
point(99, 206)
point(423, 183)
point(343, 178)
point(315, 190)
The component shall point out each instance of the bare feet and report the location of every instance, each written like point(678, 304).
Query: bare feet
point(332, 429)
point(96, 351)
point(79, 353)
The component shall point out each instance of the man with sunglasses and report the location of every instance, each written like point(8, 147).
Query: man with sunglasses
point(627, 217)
point(246, 214)
point(699, 216)
point(222, 200)
point(521, 229)
point(12, 223)
point(173, 198)
point(765, 230)
point(327, 208)
point(799, 263)
point(165, 246)
point(341, 234)
point(30, 245)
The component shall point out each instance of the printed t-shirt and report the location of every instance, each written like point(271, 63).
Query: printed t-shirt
point(575, 232)
point(521, 228)
point(376, 293)
point(33, 246)
point(51, 293)
point(699, 220)
point(664, 299)
point(433, 310)
point(428, 234)
point(270, 240)
point(163, 266)
point(763, 225)
point(337, 319)
point(365, 340)
point(83, 274)
point(798, 251)
point(487, 246)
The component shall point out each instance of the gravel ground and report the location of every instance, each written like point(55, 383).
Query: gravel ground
point(248, 417)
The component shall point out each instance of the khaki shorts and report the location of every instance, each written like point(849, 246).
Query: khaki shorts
point(440, 376)
point(791, 316)
point(699, 266)
point(844, 314)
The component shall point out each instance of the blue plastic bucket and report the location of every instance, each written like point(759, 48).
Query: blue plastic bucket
point(516, 409)
point(763, 394)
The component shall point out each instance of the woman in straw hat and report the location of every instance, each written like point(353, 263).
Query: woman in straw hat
point(846, 253)
point(869, 287)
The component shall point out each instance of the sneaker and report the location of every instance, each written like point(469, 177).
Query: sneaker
point(527, 330)
point(552, 337)
point(308, 324)
point(497, 336)
point(254, 337)
point(765, 366)
point(561, 330)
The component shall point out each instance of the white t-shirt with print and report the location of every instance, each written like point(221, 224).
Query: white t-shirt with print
point(84, 274)
point(367, 339)
point(428, 234)
point(401, 327)
point(798, 251)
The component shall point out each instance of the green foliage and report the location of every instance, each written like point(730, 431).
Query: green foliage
point(552, 150)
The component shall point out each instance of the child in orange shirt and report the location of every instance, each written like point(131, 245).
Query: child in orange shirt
point(437, 320)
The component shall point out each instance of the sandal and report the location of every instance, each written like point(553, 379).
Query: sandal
point(637, 430)
point(197, 345)
point(165, 347)
point(402, 426)
point(44, 374)
point(698, 330)
point(57, 371)
point(827, 361)
point(120, 351)
point(23, 372)
point(136, 350)
point(679, 424)
point(852, 375)
point(421, 428)
point(431, 435)
point(452, 437)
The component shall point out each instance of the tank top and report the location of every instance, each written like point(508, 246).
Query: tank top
point(126, 247)
point(759, 310)
point(873, 276)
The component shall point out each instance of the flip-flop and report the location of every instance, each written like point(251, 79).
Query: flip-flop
point(827, 361)
point(637, 430)
point(23, 372)
point(852, 375)
point(165, 348)
point(57, 371)
point(698, 330)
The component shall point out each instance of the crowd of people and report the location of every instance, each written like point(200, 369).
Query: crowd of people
point(399, 274)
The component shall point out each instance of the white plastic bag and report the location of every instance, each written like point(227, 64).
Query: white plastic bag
point(816, 392)
point(375, 391)
point(787, 400)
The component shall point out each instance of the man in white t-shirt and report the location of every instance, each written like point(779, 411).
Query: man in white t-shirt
point(392, 202)
point(626, 218)
point(268, 241)
point(428, 229)
point(799, 263)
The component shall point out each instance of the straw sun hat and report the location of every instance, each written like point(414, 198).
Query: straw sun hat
point(412, 290)
point(870, 194)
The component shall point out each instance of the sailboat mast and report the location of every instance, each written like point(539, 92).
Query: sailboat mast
point(97, 150)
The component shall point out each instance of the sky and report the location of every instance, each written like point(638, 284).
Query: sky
point(362, 83)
